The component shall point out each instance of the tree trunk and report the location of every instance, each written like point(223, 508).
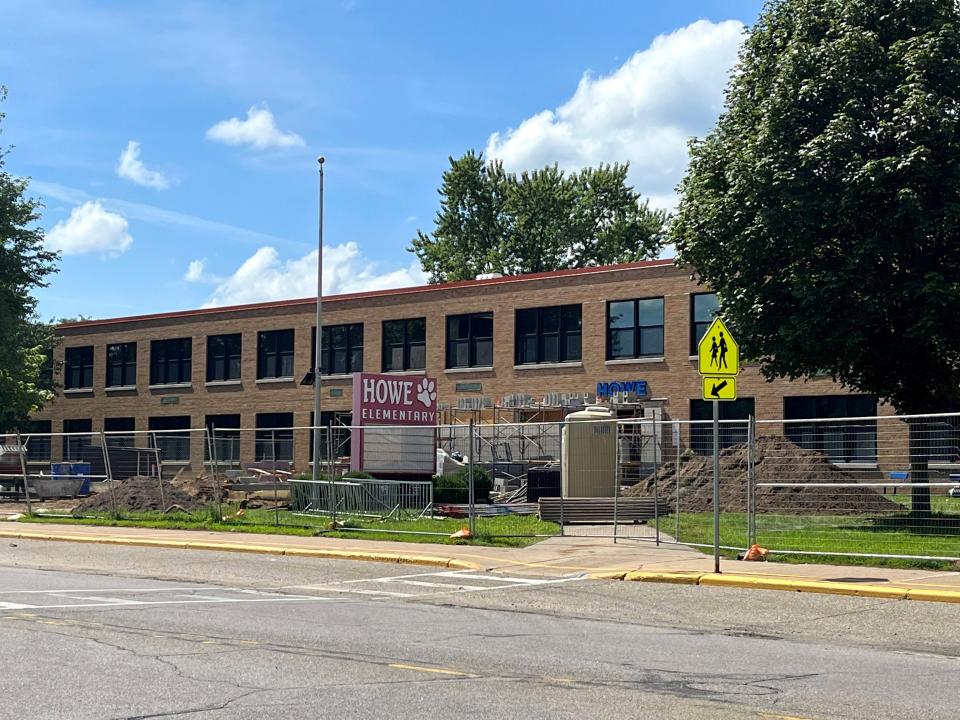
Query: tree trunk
point(919, 467)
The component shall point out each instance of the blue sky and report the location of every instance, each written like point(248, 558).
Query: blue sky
point(174, 144)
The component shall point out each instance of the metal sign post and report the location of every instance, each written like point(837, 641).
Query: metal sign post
point(718, 361)
point(716, 486)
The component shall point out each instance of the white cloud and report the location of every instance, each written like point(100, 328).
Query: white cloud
point(259, 130)
point(132, 168)
point(90, 229)
point(266, 276)
point(195, 271)
point(644, 112)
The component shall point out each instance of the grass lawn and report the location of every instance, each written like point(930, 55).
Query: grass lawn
point(890, 535)
point(501, 531)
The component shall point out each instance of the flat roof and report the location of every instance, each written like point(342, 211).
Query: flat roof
point(506, 279)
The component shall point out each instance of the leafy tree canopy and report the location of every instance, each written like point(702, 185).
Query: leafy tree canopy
point(25, 382)
point(824, 207)
point(493, 221)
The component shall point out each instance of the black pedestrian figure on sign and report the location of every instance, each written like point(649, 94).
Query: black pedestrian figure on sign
point(723, 351)
point(713, 351)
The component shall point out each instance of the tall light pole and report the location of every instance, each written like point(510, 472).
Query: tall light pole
point(317, 383)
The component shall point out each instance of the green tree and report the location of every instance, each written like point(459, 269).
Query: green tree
point(824, 207)
point(493, 221)
point(25, 383)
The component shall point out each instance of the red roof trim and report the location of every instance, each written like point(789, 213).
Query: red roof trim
point(371, 294)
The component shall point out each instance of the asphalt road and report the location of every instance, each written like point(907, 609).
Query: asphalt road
point(108, 632)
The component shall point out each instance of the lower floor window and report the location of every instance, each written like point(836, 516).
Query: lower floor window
point(171, 436)
point(818, 423)
point(734, 422)
point(339, 444)
point(274, 438)
point(223, 439)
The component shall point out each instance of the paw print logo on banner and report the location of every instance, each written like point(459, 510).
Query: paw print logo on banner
point(427, 392)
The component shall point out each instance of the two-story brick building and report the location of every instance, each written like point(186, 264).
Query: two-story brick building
point(547, 338)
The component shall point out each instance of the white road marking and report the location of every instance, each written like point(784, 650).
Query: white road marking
point(13, 606)
point(99, 590)
point(446, 586)
point(354, 591)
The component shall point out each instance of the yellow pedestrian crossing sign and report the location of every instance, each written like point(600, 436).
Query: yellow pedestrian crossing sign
point(718, 353)
point(718, 387)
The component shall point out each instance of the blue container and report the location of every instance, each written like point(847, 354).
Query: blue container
point(82, 469)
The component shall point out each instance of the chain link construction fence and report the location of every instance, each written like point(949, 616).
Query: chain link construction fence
point(838, 487)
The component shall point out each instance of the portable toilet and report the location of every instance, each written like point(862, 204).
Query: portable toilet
point(588, 464)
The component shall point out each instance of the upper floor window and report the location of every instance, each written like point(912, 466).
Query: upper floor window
point(635, 328)
point(703, 308)
point(470, 340)
point(122, 365)
point(341, 349)
point(275, 354)
point(548, 334)
point(78, 367)
point(170, 361)
point(405, 344)
point(223, 357)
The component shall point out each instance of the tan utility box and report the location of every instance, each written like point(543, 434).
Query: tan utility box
point(588, 465)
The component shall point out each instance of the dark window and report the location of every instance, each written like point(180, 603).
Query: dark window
point(171, 434)
point(731, 433)
point(170, 361)
point(635, 328)
point(37, 439)
point(944, 439)
point(125, 425)
point(842, 441)
point(223, 357)
point(73, 445)
point(548, 335)
point(275, 354)
point(470, 340)
point(703, 308)
point(341, 349)
point(78, 367)
point(122, 365)
point(405, 344)
point(274, 438)
point(339, 423)
point(224, 435)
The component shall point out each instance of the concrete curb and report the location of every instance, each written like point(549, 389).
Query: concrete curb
point(788, 584)
point(400, 558)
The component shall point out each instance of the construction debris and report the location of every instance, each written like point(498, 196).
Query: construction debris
point(776, 459)
point(136, 494)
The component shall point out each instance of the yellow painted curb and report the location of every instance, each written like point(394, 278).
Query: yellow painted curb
point(608, 575)
point(948, 596)
point(810, 586)
point(432, 561)
point(673, 578)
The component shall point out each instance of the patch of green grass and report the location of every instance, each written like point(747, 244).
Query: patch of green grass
point(501, 531)
point(898, 534)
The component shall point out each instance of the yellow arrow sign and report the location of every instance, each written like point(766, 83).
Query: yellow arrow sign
point(718, 387)
point(718, 353)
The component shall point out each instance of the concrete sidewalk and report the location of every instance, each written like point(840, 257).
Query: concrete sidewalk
point(597, 557)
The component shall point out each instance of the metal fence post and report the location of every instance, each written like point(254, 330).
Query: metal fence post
point(22, 452)
point(751, 479)
point(211, 433)
point(470, 492)
point(716, 486)
point(616, 483)
point(109, 469)
point(656, 481)
point(560, 444)
point(273, 464)
point(676, 463)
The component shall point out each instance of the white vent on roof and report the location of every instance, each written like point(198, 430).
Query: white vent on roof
point(489, 275)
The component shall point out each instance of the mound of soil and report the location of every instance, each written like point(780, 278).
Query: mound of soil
point(138, 493)
point(776, 459)
point(202, 487)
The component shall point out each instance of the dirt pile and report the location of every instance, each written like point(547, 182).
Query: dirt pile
point(203, 487)
point(776, 459)
point(137, 493)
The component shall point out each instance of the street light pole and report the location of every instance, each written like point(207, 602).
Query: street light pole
point(317, 383)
